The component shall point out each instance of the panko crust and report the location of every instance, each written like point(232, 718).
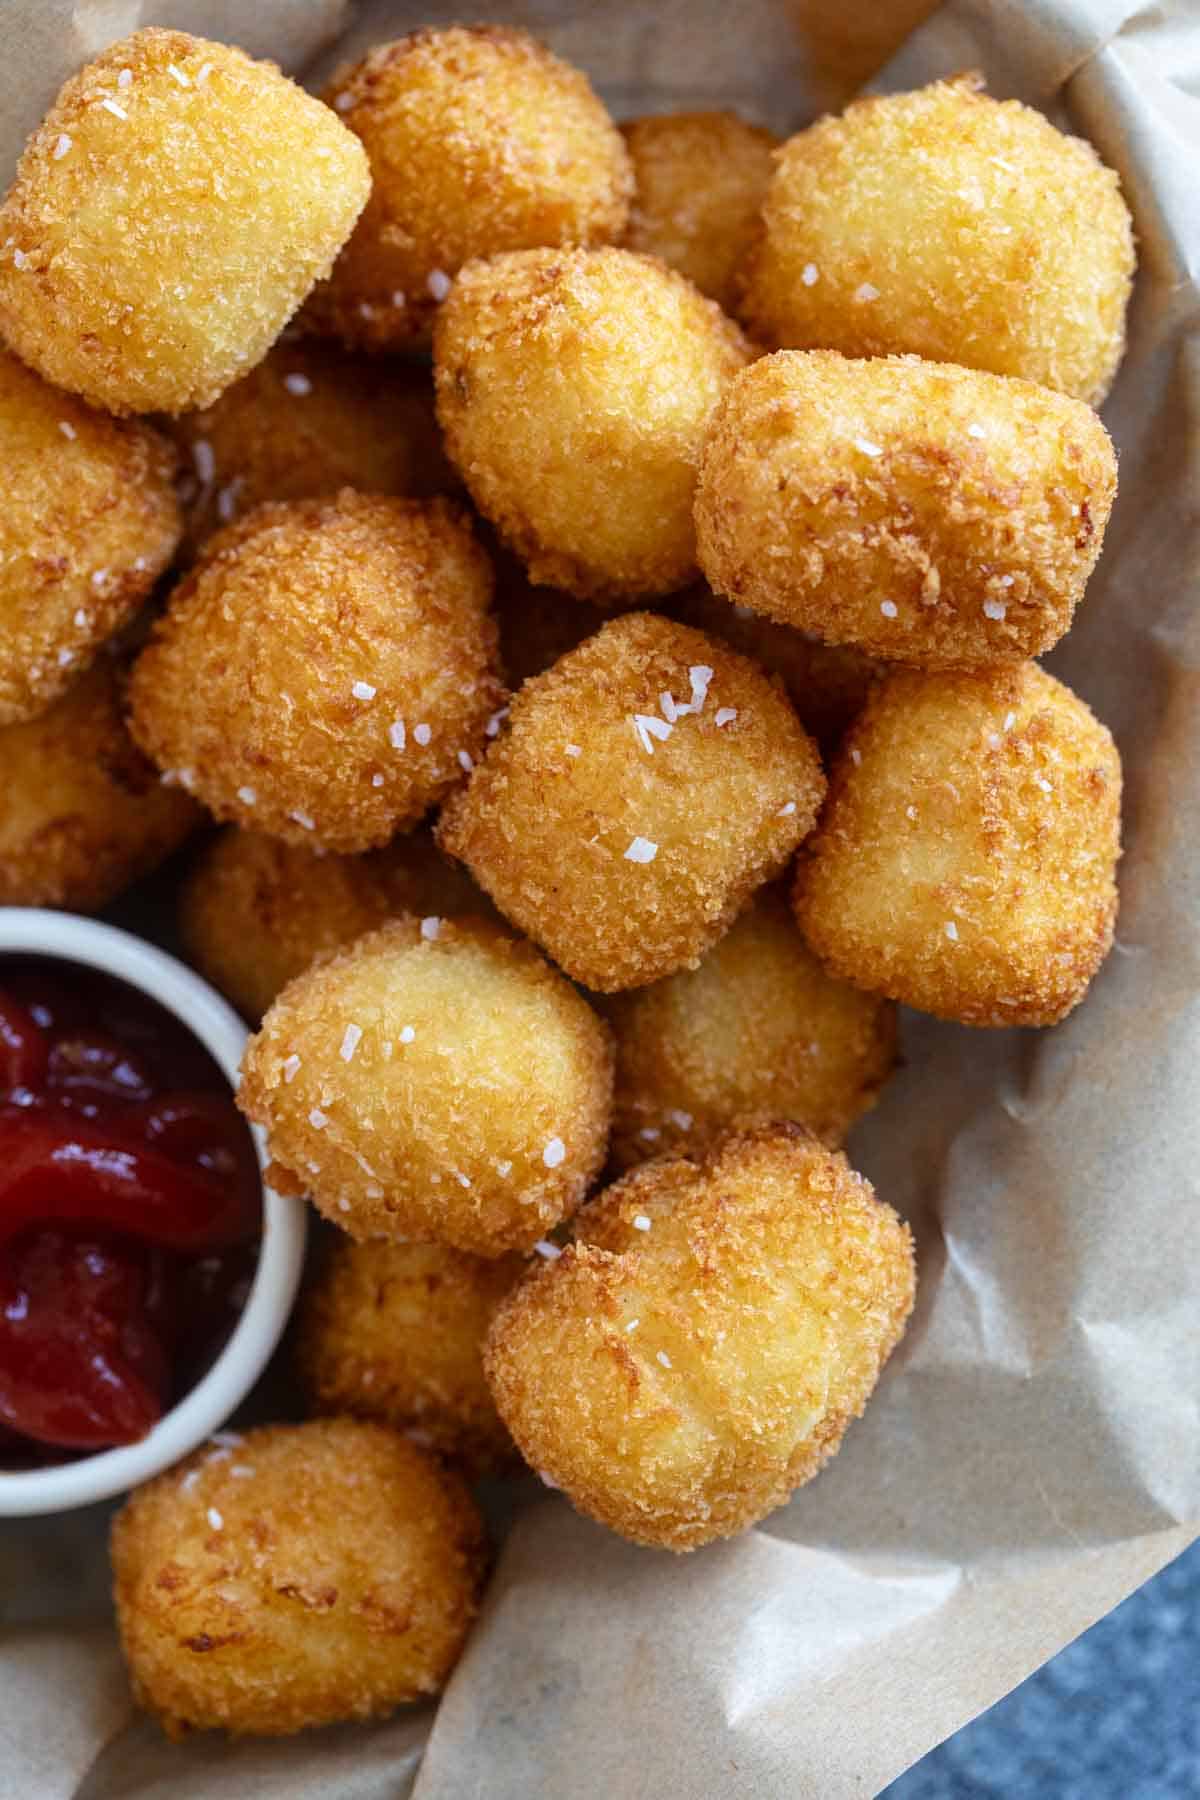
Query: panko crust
point(698, 1352)
point(480, 141)
point(304, 1575)
point(254, 912)
point(758, 1029)
point(165, 223)
point(471, 1108)
point(574, 389)
point(89, 523)
point(953, 226)
point(83, 815)
point(711, 806)
point(966, 859)
point(925, 514)
point(309, 420)
point(395, 1332)
point(325, 668)
point(827, 684)
point(700, 179)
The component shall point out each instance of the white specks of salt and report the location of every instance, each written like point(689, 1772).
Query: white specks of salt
point(99, 578)
point(343, 102)
point(203, 73)
point(700, 675)
point(204, 459)
point(1007, 580)
point(407, 1034)
point(867, 447)
point(397, 736)
point(633, 1324)
point(668, 708)
point(647, 727)
point(189, 1481)
point(20, 260)
point(248, 796)
point(362, 690)
point(554, 1153)
point(994, 740)
point(243, 1471)
point(430, 927)
point(317, 1119)
point(951, 930)
point(976, 431)
point(664, 1359)
point(351, 1038)
point(810, 274)
point(466, 761)
point(1010, 720)
point(640, 1222)
point(118, 112)
point(786, 811)
point(177, 74)
point(377, 780)
point(641, 850)
point(343, 1204)
point(504, 1169)
point(67, 429)
point(125, 78)
point(297, 384)
point(889, 609)
point(545, 1248)
point(291, 1068)
point(492, 728)
point(439, 284)
point(856, 758)
point(81, 617)
point(994, 609)
point(683, 1120)
point(572, 750)
point(65, 658)
point(305, 820)
point(866, 291)
point(651, 1133)
point(422, 734)
point(726, 715)
point(215, 1519)
point(1046, 786)
point(62, 146)
point(227, 499)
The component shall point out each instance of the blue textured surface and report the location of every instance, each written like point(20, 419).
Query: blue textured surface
point(1115, 1716)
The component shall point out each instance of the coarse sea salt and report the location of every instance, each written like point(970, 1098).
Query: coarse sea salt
point(430, 927)
point(545, 1248)
point(641, 1222)
point(362, 690)
point(641, 850)
point(248, 796)
point(554, 1153)
point(291, 1068)
point(297, 384)
point(351, 1039)
point(726, 715)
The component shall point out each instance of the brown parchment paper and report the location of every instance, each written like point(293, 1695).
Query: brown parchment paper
point(1033, 1453)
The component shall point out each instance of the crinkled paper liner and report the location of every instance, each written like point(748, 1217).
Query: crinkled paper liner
point(1033, 1452)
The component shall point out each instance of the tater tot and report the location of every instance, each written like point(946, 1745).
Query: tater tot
point(961, 228)
point(966, 860)
point(89, 522)
point(309, 420)
point(169, 214)
point(574, 390)
point(699, 1351)
point(926, 514)
point(758, 1029)
point(642, 789)
point(700, 180)
point(325, 672)
point(827, 684)
point(83, 815)
point(254, 912)
point(479, 141)
point(435, 1080)
point(395, 1332)
point(303, 1575)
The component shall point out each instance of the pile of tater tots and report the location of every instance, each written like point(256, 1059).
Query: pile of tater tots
point(592, 576)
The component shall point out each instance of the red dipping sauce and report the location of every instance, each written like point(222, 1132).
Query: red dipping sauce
point(130, 1211)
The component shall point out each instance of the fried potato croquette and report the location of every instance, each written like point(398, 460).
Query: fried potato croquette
point(83, 815)
point(758, 1029)
point(324, 673)
point(642, 789)
point(574, 389)
point(89, 522)
point(310, 420)
point(255, 912)
point(924, 513)
point(168, 216)
point(699, 1351)
point(700, 180)
point(827, 684)
point(966, 860)
point(957, 227)
point(395, 1332)
point(435, 1080)
point(479, 141)
point(309, 1574)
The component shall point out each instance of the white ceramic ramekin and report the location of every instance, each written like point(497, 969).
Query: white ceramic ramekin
point(70, 939)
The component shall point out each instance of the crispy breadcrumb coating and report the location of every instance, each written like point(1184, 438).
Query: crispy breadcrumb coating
point(436, 1080)
point(961, 228)
point(926, 514)
point(325, 672)
point(309, 420)
point(168, 216)
point(89, 522)
point(83, 815)
point(574, 390)
point(293, 1577)
point(700, 179)
point(395, 1332)
point(758, 1028)
point(254, 912)
point(641, 790)
point(479, 141)
point(966, 859)
point(827, 684)
point(699, 1351)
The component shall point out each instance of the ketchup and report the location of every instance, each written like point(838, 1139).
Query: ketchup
point(130, 1211)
